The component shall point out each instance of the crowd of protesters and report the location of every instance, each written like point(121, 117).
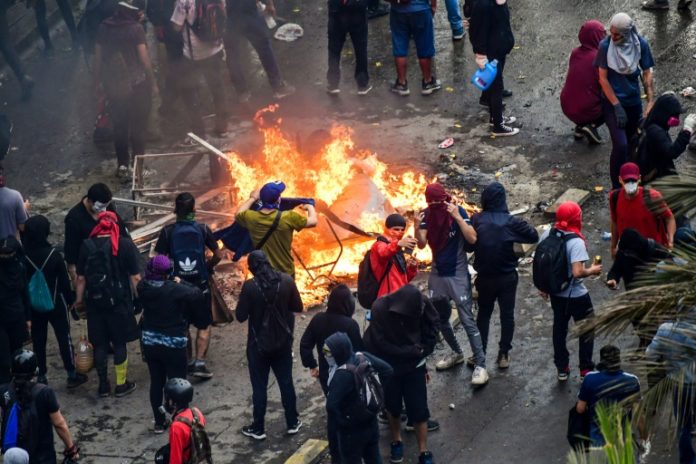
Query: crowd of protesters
point(98, 274)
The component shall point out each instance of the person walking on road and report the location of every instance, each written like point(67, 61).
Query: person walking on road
point(268, 301)
point(344, 20)
point(496, 265)
point(42, 24)
point(624, 60)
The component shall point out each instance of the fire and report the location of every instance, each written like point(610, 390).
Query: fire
point(336, 175)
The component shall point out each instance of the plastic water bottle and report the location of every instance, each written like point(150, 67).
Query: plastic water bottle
point(270, 21)
point(368, 315)
point(483, 78)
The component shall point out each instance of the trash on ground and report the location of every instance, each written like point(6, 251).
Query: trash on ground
point(688, 92)
point(448, 142)
point(598, 188)
point(289, 32)
point(606, 236)
point(451, 405)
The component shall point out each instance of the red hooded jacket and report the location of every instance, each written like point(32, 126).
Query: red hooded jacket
point(580, 97)
point(380, 255)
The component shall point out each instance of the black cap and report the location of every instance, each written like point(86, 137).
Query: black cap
point(180, 391)
point(24, 364)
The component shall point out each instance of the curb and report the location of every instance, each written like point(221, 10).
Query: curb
point(309, 453)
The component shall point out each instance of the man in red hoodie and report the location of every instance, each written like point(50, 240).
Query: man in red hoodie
point(580, 97)
point(387, 259)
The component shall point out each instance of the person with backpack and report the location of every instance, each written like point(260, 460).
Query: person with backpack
point(271, 229)
point(558, 272)
point(188, 439)
point(31, 413)
point(122, 70)
point(388, 261)
point(347, 17)
point(337, 318)
point(640, 208)
point(246, 23)
point(15, 315)
point(623, 60)
point(202, 27)
point(108, 273)
point(50, 296)
point(168, 306)
point(268, 301)
point(403, 332)
point(656, 151)
point(355, 397)
point(445, 227)
point(185, 243)
point(496, 265)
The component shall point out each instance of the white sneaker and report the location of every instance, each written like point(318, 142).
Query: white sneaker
point(480, 376)
point(450, 361)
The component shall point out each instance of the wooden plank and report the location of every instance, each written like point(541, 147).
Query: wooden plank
point(572, 194)
point(309, 453)
point(525, 249)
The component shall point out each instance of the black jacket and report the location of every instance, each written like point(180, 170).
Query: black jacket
point(496, 233)
point(635, 253)
point(403, 329)
point(661, 151)
point(490, 32)
point(168, 308)
point(343, 397)
point(337, 318)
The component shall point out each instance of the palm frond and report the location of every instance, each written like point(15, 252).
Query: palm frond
point(678, 191)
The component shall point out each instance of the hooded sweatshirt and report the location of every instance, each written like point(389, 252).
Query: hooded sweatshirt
point(635, 252)
point(403, 329)
point(660, 151)
point(168, 308)
point(337, 318)
point(580, 97)
point(497, 231)
point(343, 397)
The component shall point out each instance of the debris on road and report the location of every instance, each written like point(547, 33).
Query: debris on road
point(289, 32)
point(688, 92)
point(448, 142)
point(572, 194)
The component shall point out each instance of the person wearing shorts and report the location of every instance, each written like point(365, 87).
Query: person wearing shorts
point(414, 19)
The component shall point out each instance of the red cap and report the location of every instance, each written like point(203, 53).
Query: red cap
point(629, 171)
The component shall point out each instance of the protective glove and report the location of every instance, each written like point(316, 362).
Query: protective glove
point(690, 123)
point(481, 61)
point(621, 117)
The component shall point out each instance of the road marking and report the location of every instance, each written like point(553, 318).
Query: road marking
point(309, 452)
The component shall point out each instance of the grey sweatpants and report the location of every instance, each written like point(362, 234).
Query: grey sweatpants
point(458, 289)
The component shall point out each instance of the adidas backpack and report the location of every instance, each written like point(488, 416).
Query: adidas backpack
point(187, 251)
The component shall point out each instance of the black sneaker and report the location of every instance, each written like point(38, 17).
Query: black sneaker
point(433, 425)
point(295, 428)
point(428, 88)
point(201, 371)
point(426, 457)
point(125, 389)
point(364, 90)
point(506, 120)
point(578, 134)
point(504, 131)
point(590, 131)
point(77, 380)
point(254, 432)
point(656, 5)
point(161, 427)
point(401, 89)
point(507, 93)
point(104, 389)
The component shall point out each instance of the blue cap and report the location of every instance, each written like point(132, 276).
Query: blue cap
point(270, 193)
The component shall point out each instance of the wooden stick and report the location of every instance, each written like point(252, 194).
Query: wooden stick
point(145, 204)
point(209, 147)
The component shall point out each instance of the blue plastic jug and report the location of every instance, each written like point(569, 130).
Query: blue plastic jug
point(483, 78)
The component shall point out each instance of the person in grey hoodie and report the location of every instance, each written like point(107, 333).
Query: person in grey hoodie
point(496, 265)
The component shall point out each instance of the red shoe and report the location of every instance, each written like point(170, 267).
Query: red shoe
point(583, 373)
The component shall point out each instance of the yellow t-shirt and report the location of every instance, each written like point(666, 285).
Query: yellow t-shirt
point(278, 246)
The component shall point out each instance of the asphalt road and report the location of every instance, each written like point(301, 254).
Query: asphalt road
point(521, 415)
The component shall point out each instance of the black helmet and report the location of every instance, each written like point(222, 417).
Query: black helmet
point(179, 391)
point(24, 365)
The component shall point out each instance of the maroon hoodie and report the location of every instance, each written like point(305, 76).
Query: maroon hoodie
point(581, 92)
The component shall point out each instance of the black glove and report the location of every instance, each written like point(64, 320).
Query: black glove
point(621, 117)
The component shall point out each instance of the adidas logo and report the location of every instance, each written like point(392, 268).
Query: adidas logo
point(188, 265)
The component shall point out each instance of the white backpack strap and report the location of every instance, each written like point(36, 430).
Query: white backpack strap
point(47, 258)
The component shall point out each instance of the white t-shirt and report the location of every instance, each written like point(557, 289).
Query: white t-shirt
point(185, 15)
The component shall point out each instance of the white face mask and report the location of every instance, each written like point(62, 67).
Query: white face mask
point(99, 207)
point(631, 187)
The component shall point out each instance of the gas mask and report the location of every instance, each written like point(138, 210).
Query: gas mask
point(630, 187)
point(99, 207)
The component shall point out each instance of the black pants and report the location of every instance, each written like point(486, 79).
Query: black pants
point(360, 445)
point(620, 138)
point(164, 364)
point(58, 318)
point(42, 25)
point(7, 49)
point(130, 115)
point(12, 336)
point(342, 23)
point(579, 309)
point(108, 328)
point(259, 368)
point(209, 70)
point(173, 46)
point(249, 26)
point(501, 287)
point(494, 94)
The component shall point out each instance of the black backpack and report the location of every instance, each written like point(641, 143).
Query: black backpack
point(20, 422)
point(211, 20)
point(199, 443)
point(187, 251)
point(368, 285)
point(274, 334)
point(550, 265)
point(369, 388)
point(104, 288)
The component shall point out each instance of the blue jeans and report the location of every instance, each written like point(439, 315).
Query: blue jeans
point(454, 16)
point(259, 368)
point(684, 410)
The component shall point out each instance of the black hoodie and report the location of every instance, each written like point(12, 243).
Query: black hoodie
point(496, 233)
point(660, 151)
point(403, 329)
point(337, 318)
point(634, 254)
point(343, 394)
point(169, 307)
point(490, 32)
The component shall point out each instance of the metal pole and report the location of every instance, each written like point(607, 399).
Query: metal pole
point(209, 147)
point(144, 204)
